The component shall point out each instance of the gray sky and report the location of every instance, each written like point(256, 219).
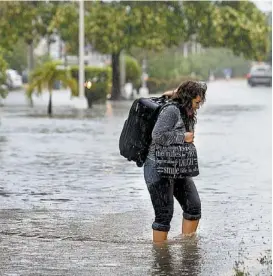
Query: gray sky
point(264, 5)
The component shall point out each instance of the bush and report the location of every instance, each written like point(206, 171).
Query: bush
point(159, 85)
point(171, 63)
point(17, 58)
point(133, 71)
point(3, 67)
point(101, 82)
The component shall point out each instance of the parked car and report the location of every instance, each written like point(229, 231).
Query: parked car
point(14, 80)
point(260, 75)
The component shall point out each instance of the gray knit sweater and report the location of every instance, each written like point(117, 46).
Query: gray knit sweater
point(169, 129)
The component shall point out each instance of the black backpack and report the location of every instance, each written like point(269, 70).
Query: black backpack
point(136, 135)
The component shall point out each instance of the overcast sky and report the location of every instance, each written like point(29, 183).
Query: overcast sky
point(264, 5)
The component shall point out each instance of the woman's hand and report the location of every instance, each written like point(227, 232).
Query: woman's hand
point(169, 93)
point(189, 137)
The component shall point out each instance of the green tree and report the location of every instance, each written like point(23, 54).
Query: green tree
point(65, 20)
point(133, 70)
point(17, 57)
point(269, 54)
point(111, 27)
point(237, 25)
point(46, 12)
point(26, 20)
point(19, 19)
point(45, 76)
point(171, 64)
point(3, 67)
point(9, 12)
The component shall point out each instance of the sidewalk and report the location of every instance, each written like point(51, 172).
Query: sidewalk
point(59, 98)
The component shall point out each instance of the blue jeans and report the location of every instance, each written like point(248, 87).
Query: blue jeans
point(162, 192)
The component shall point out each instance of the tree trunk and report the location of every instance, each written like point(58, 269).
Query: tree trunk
point(115, 93)
point(48, 42)
point(49, 108)
point(30, 56)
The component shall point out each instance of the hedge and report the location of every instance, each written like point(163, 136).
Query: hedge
point(133, 71)
point(159, 85)
point(100, 79)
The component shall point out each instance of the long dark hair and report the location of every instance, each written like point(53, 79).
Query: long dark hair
point(185, 93)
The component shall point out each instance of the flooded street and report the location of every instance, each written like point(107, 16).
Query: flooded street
point(71, 205)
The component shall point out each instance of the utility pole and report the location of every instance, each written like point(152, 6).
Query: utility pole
point(81, 102)
point(81, 48)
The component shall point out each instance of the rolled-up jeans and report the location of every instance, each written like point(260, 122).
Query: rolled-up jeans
point(162, 192)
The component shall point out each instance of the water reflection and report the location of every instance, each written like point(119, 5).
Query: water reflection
point(64, 177)
point(181, 258)
point(109, 110)
point(190, 257)
point(3, 139)
point(3, 143)
point(162, 260)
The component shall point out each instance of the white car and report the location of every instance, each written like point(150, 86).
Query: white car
point(14, 80)
point(260, 75)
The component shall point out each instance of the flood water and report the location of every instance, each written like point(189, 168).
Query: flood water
point(71, 205)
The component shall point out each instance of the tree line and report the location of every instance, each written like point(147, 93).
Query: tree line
point(111, 27)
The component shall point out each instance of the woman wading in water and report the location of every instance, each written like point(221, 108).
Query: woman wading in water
point(170, 128)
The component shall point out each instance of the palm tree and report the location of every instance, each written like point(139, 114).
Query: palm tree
point(45, 76)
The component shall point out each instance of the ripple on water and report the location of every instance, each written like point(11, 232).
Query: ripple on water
point(64, 181)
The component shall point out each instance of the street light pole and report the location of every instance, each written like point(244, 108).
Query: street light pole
point(81, 48)
point(80, 102)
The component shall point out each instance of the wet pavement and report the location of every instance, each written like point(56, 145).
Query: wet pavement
point(71, 205)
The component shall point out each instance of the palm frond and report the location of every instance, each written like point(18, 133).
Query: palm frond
point(34, 84)
point(46, 75)
point(65, 77)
